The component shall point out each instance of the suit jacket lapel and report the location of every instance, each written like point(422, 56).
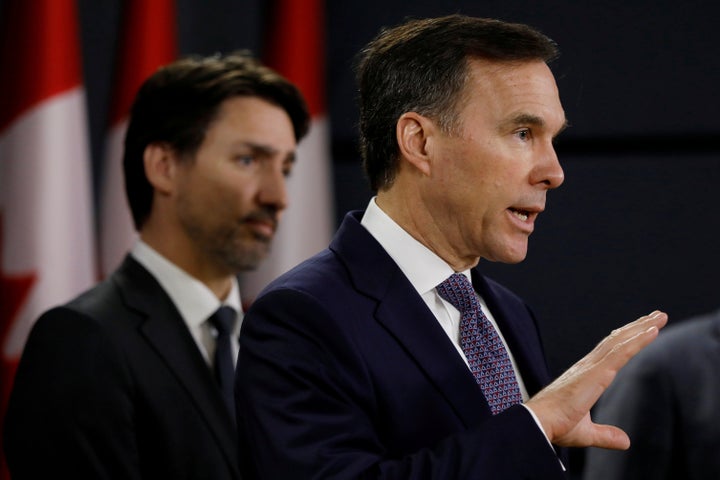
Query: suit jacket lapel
point(404, 314)
point(166, 331)
point(519, 329)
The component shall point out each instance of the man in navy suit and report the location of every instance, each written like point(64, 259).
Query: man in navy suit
point(356, 363)
point(121, 382)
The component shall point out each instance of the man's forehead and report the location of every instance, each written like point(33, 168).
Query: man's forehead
point(509, 73)
point(519, 92)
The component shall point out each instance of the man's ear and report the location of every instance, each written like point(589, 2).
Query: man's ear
point(414, 136)
point(160, 166)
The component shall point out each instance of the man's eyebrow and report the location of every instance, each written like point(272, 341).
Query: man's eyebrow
point(526, 119)
point(260, 148)
point(267, 150)
point(530, 119)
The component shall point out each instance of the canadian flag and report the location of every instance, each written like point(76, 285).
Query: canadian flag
point(148, 40)
point(46, 234)
point(296, 49)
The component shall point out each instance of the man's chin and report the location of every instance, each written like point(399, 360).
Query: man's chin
point(249, 261)
point(510, 255)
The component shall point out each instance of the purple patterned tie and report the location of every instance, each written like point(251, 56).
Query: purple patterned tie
point(483, 348)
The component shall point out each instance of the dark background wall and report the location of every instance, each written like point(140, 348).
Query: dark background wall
point(633, 227)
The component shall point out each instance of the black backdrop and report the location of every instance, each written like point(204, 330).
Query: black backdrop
point(632, 228)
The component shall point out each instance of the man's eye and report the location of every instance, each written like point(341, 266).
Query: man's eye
point(523, 134)
point(245, 159)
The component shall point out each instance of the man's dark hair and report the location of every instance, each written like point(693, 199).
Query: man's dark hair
point(422, 66)
point(177, 104)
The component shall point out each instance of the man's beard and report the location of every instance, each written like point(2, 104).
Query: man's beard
point(232, 246)
point(237, 250)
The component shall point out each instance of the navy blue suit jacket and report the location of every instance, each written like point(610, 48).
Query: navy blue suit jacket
point(345, 373)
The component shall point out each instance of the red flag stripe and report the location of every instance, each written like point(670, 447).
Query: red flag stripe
point(149, 40)
point(46, 250)
point(299, 28)
point(37, 72)
point(295, 46)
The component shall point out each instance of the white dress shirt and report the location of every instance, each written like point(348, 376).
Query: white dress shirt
point(193, 299)
point(426, 271)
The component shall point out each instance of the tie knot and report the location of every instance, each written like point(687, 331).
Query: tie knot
point(458, 290)
point(223, 319)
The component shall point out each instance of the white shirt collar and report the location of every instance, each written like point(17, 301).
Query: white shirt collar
point(193, 299)
point(421, 266)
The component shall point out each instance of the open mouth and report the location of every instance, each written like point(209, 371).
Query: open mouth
point(521, 214)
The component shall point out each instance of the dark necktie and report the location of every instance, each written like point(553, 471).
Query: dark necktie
point(483, 348)
point(224, 320)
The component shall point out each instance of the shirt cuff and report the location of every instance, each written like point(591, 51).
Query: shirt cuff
point(537, 422)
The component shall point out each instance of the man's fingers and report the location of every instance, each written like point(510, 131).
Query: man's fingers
point(631, 338)
point(623, 344)
point(561, 406)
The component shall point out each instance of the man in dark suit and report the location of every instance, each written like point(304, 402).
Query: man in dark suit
point(667, 400)
point(365, 361)
point(133, 379)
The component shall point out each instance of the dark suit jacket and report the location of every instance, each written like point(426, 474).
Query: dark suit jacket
point(667, 399)
point(112, 385)
point(345, 373)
